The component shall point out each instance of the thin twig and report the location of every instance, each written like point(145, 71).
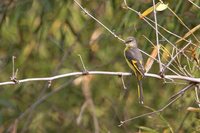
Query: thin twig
point(13, 66)
point(79, 118)
point(186, 71)
point(183, 23)
point(197, 90)
point(14, 73)
point(175, 56)
point(176, 83)
point(99, 22)
point(154, 112)
point(169, 31)
point(157, 39)
point(150, 113)
point(124, 86)
point(82, 63)
point(182, 91)
point(194, 4)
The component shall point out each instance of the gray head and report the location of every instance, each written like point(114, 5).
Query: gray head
point(131, 42)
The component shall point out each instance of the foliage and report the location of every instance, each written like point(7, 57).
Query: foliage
point(46, 37)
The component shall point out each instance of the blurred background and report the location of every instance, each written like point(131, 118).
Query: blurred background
point(47, 37)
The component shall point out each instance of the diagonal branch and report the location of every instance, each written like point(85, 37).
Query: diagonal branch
point(159, 110)
point(99, 22)
point(194, 4)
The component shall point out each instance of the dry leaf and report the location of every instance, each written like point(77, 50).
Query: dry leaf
point(192, 109)
point(78, 81)
point(95, 35)
point(150, 60)
point(189, 33)
point(146, 12)
point(159, 7)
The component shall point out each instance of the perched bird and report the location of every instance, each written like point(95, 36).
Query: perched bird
point(134, 59)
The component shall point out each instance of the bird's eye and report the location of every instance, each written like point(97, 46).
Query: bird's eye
point(128, 41)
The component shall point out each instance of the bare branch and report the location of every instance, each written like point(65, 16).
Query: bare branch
point(79, 118)
point(170, 31)
point(150, 113)
point(197, 90)
point(124, 85)
point(99, 22)
point(174, 77)
point(172, 100)
point(194, 4)
point(182, 91)
point(157, 39)
point(182, 23)
point(14, 73)
point(82, 63)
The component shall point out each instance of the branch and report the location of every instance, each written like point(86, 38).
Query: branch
point(157, 39)
point(194, 4)
point(170, 77)
point(150, 113)
point(99, 22)
point(174, 99)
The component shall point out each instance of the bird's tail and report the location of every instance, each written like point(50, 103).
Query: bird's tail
point(140, 92)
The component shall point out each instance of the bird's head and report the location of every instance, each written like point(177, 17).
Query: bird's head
point(131, 42)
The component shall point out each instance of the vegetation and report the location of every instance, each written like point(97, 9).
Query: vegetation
point(45, 38)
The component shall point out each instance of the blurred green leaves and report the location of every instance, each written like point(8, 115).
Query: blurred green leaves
point(46, 37)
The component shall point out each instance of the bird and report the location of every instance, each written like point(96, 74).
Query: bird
point(134, 60)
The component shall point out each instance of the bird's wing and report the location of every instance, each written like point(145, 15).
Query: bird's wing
point(134, 57)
